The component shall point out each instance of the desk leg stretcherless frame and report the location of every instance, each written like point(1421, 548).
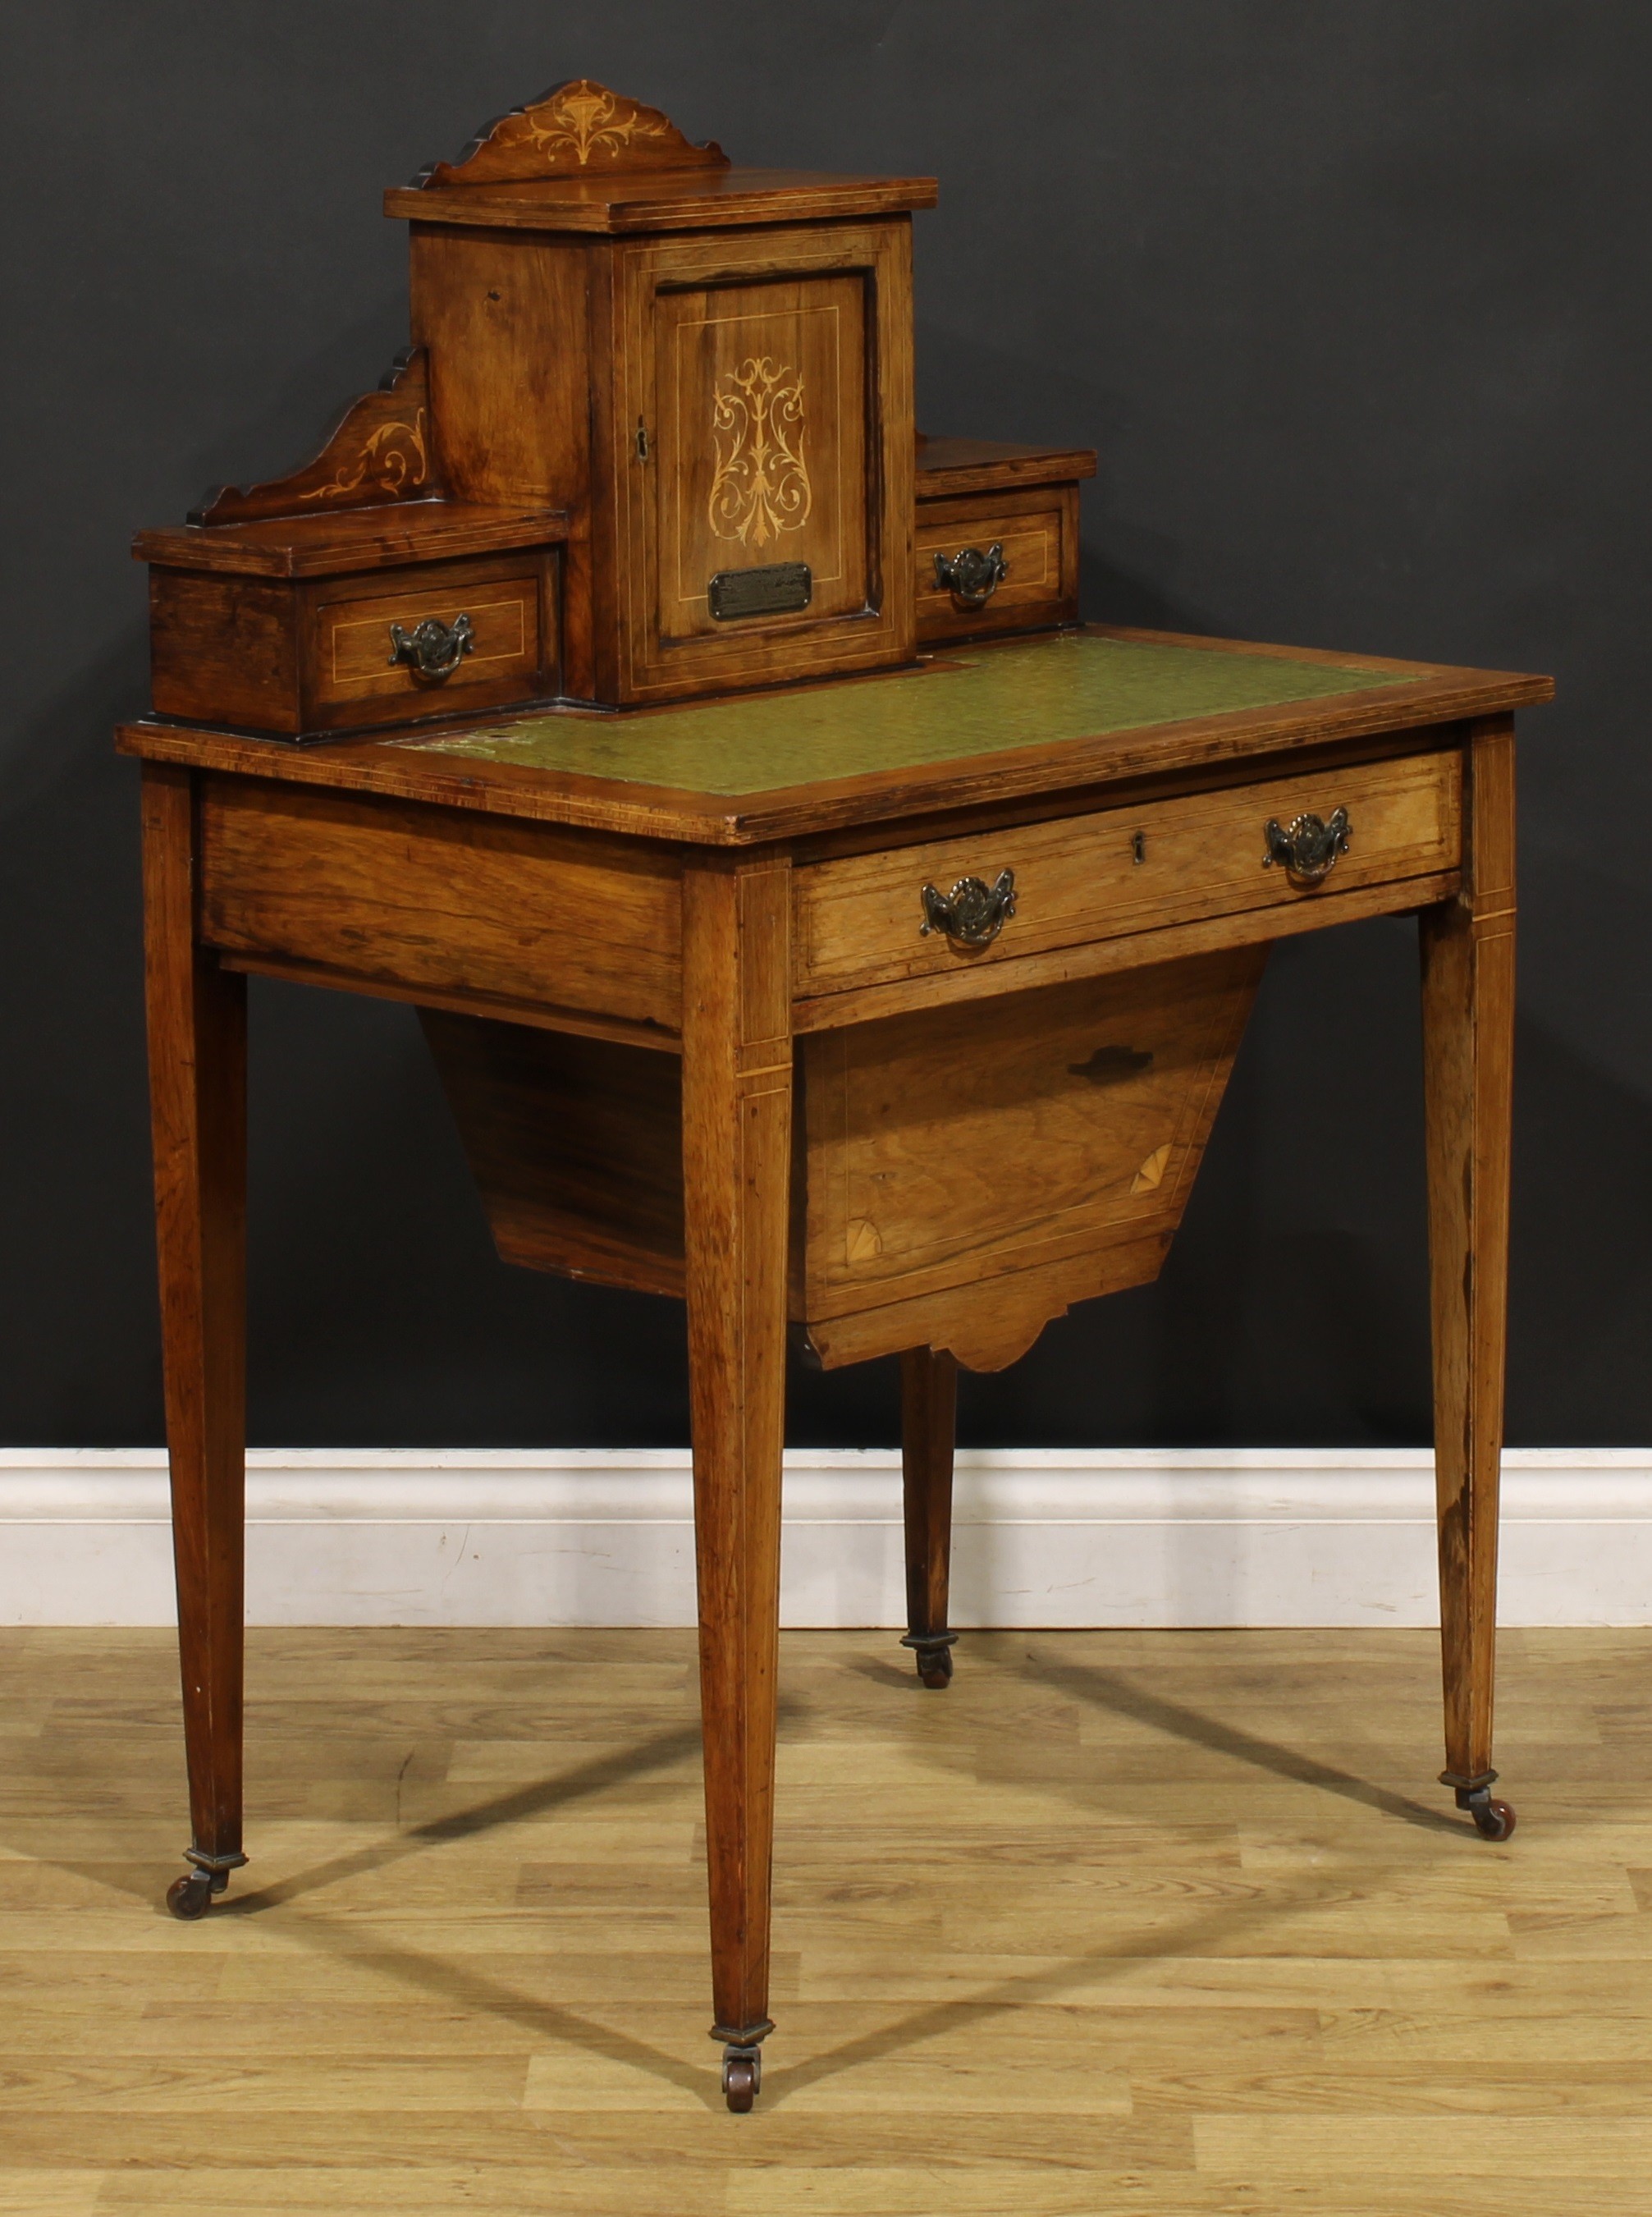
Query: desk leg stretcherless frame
point(737, 1104)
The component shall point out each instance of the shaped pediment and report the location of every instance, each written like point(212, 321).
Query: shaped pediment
point(381, 450)
point(579, 127)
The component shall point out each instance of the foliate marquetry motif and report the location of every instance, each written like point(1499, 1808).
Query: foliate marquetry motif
point(760, 487)
point(392, 461)
point(573, 126)
point(381, 451)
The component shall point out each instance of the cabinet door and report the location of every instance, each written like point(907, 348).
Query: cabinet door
point(761, 397)
point(763, 431)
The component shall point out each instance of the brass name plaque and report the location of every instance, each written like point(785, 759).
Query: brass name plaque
point(776, 588)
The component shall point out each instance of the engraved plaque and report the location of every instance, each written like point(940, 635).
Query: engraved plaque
point(775, 589)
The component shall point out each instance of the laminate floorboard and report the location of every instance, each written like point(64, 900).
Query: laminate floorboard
point(1170, 1923)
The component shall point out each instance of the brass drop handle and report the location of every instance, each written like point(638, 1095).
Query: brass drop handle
point(1307, 847)
point(973, 913)
point(434, 649)
point(970, 576)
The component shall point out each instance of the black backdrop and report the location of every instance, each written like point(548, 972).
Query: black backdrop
point(1353, 301)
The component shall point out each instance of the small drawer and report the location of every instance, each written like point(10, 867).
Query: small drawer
point(1036, 536)
point(302, 627)
point(491, 624)
point(862, 921)
point(368, 649)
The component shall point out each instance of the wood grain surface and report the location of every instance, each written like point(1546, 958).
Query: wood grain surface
point(1468, 1015)
point(667, 199)
point(737, 1137)
point(946, 466)
point(930, 777)
point(1173, 1924)
point(1037, 532)
point(859, 922)
point(822, 313)
point(950, 1148)
point(501, 599)
point(928, 1430)
point(312, 655)
point(422, 896)
point(197, 1028)
point(506, 323)
point(576, 1145)
point(571, 127)
point(357, 539)
point(379, 452)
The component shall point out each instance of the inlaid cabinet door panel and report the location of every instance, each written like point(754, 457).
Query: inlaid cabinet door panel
point(760, 394)
point(762, 458)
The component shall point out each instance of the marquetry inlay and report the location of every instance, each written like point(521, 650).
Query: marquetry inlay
point(760, 487)
point(393, 459)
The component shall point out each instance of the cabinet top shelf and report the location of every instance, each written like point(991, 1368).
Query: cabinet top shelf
point(621, 202)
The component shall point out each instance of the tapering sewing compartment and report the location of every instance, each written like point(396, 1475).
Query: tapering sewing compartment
point(960, 1174)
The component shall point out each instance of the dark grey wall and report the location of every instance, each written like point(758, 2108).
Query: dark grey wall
point(1353, 299)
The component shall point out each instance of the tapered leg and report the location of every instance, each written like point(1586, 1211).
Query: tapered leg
point(1467, 1008)
point(197, 1063)
point(928, 1425)
point(737, 1137)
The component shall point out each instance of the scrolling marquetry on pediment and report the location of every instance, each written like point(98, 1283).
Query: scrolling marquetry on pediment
point(578, 126)
point(382, 451)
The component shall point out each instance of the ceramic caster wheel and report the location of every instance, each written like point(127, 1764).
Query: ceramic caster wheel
point(1493, 1820)
point(190, 1896)
point(742, 2074)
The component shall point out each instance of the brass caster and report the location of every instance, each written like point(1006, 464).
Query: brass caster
point(1493, 1819)
point(933, 1652)
point(743, 2075)
point(191, 1896)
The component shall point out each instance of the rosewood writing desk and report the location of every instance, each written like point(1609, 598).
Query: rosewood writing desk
point(895, 1010)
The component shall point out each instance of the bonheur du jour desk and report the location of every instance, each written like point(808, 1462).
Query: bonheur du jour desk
point(895, 1009)
point(806, 916)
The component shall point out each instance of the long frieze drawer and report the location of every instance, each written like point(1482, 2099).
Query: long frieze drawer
point(912, 911)
point(994, 562)
point(440, 900)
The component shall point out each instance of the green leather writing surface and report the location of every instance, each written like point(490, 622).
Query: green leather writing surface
point(965, 703)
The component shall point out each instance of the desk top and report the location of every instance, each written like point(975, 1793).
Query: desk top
point(967, 726)
point(959, 704)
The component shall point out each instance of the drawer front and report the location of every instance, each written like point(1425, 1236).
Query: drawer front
point(860, 921)
point(440, 900)
point(360, 672)
point(1036, 532)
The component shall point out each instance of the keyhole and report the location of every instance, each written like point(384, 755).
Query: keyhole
point(1138, 846)
point(642, 440)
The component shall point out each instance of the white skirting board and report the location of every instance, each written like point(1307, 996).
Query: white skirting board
point(1125, 1537)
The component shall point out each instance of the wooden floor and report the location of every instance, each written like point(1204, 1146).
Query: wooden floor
point(1170, 1923)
